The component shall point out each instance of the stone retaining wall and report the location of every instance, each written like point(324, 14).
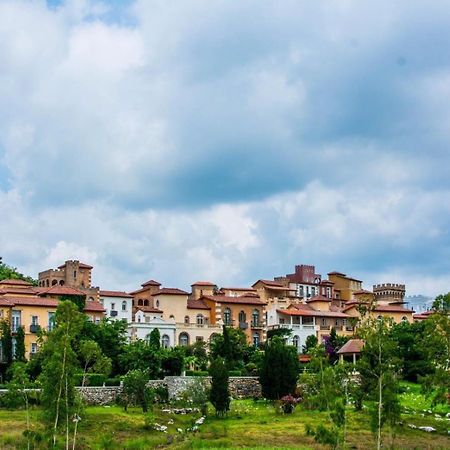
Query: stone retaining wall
point(240, 387)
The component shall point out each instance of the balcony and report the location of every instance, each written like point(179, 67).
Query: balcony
point(243, 325)
point(113, 313)
point(256, 325)
point(325, 327)
point(35, 328)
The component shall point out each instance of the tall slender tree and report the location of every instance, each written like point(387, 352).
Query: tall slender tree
point(20, 345)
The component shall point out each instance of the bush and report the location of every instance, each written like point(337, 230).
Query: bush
point(112, 382)
point(235, 373)
point(161, 394)
point(197, 373)
point(92, 379)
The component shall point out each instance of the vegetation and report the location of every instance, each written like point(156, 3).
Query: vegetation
point(11, 273)
point(219, 395)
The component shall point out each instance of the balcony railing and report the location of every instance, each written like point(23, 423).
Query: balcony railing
point(243, 325)
point(34, 328)
point(256, 324)
point(325, 327)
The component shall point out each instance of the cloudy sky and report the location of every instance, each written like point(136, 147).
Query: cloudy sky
point(225, 140)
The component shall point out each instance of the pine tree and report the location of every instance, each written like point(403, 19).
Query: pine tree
point(219, 395)
point(20, 345)
point(155, 339)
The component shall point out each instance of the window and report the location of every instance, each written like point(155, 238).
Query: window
point(16, 321)
point(124, 305)
point(227, 316)
point(102, 302)
point(256, 339)
point(183, 339)
point(172, 317)
point(199, 338)
point(157, 303)
point(34, 320)
point(186, 320)
point(200, 320)
point(242, 317)
point(255, 318)
point(74, 273)
point(165, 341)
point(313, 291)
point(33, 348)
point(140, 302)
point(282, 320)
point(51, 321)
point(300, 291)
point(113, 306)
point(295, 341)
point(404, 319)
point(54, 282)
point(14, 347)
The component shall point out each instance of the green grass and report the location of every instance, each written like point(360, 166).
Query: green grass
point(250, 425)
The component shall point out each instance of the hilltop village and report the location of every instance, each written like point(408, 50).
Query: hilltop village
point(303, 301)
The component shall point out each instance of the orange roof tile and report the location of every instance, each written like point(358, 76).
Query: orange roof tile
point(197, 304)
point(115, 294)
point(30, 301)
point(242, 300)
point(91, 306)
point(171, 291)
point(351, 346)
point(13, 282)
point(150, 283)
point(203, 283)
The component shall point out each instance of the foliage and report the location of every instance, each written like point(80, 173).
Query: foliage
point(6, 342)
point(279, 369)
point(219, 394)
point(11, 273)
point(155, 339)
point(310, 343)
point(437, 343)
point(333, 343)
point(20, 345)
point(92, 360)
point(59, 367)
point(231, 346)
point(288, 403)
point(173, 361)
point(281, 332)
point(78, 300)
point(139, 355)
point(136, 390)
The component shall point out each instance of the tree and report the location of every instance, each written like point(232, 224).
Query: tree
point(279, 369)
point(231, 346)
point(173, 361)
point(6, 342)
point(20, 345)
point(333, 343)
point(155, 339)
point(59, 368)
point(282, 332)
point(310, 343)
point(437, 342)
point(78, 300)
point(219, 395)
point(135, 388)
point(379, 367)
point(11, 273)
point(140, 355)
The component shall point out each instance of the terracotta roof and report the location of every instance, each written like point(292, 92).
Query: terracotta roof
point(307, 311)
point(326, 282)
point(197, 304)
point(29, 301)
point(351, 346)
point(17, 290)
point(62, 290)
point(271, 283)
point(150, 309)
point(171, 291)
point(238, 289)
point(151, 283)
point(344, 276)
point(318, 298)
point(94, 306)
point(241, 300)
point(392, 308)
point(351, 304)
point(138, 291)
point(115, 294)
point(15, 282)
point(80, 265)
point(203, 283)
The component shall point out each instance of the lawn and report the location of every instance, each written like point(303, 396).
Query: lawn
point(250, 424)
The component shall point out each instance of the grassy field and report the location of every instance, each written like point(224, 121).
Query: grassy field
point(251, 425)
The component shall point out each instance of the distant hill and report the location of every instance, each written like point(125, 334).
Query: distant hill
point(419, 302)
point(8, 272)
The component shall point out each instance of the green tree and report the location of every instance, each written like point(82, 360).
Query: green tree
point(139, 355)
point(155, 339)
point(20, 345)
point(11, 273)
point(78, 300)
point(279, 369)
point(6, 342)
point(173, 361)
point(310, 343)
point(379, 367)
point(136, 390)
point(219, 394)
point(437, 343)
point(59, 368)
point(231, 346)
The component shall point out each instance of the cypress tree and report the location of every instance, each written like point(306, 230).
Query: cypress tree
point(6, 341)
point(219, 395)
point(20, 345)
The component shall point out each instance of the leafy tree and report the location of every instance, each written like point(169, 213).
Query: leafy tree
point(6, 342)
point(231, 346)
point(59, 368)
point(139, 355)
point(279, 369)
point(333, 343)
point(219, 394)
point(136, 390)
point(92, 359)
point(437, 342)
point(310, 343)
point(379, 367)
point(173, 361)
point(20, 345)
point(155, 339)
point(281, 332)
point(78, 300)
point(11, 273)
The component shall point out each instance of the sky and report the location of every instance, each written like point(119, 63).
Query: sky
point(226, 141)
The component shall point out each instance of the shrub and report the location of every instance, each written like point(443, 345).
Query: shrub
point(112, 382)
point(235, 373)
point(219, 394)
point(161, 394)
point(92, 379)
point(197, 373)
point(288, 403)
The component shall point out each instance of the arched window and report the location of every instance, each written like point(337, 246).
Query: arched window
point(146, 303)
point(91, 299)
point(227, 316)
point(54, 282)
point(404, 319)
point(171, 316)
point(295, 341)
point(256, 339)
point(61, 283)
point(255, 318)
point(157, 303)
point(183, 339)
point(186, 320)
point(124, 305)
point(165, 341)
point(242, 317)
point(140, 302)
point(47, 283)
point(200, 319)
